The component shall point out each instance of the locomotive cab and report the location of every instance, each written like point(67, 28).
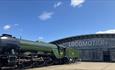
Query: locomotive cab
point(68, 54)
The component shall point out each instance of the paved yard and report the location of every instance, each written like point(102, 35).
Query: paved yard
point(80, 66)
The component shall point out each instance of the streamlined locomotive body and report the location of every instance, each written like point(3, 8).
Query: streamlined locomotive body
point(19, 53)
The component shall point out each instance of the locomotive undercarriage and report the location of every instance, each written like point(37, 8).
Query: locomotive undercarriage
point(7, 62)
point(22, 62)
point(34, 60)
point(31, 60)
point(8, 58)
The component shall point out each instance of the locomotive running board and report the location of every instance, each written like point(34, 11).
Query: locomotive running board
point(7, 68)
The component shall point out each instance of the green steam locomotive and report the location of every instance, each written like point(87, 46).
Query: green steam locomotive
point(18, 53)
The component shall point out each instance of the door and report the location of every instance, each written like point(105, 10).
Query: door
point(106, 56)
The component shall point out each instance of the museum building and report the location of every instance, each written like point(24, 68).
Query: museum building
point(92, 47)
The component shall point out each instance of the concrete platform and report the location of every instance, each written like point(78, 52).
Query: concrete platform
point(80, 66)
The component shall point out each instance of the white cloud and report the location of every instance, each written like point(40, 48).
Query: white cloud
point(112, 31)
point(57, 4)
point(45, 16)
point(7, 27)
point(77, 3)
point(40, 38)
point(16, 24)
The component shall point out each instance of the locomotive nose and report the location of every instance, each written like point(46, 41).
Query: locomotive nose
point(9, 47)
point(8, 41)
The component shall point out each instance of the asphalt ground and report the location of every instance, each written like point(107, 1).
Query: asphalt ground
point(80, 66)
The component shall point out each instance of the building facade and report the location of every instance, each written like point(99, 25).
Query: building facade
point(93, 47)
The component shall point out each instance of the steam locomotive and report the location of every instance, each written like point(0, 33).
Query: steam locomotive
point(18, 53)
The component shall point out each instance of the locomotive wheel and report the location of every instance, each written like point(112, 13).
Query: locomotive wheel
point(65, 60)
point(20, 66)
point(38, 64)
point(25, 65)
point(48, 61)
point(74, 60)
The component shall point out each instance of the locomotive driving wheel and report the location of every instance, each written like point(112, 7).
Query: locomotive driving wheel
point(48, 61)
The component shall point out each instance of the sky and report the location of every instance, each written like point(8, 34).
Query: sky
point(50, 20)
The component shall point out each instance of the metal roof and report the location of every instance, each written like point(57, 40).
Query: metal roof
point(80, 37)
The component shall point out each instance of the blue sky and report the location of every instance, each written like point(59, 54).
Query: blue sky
point(50, 20)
